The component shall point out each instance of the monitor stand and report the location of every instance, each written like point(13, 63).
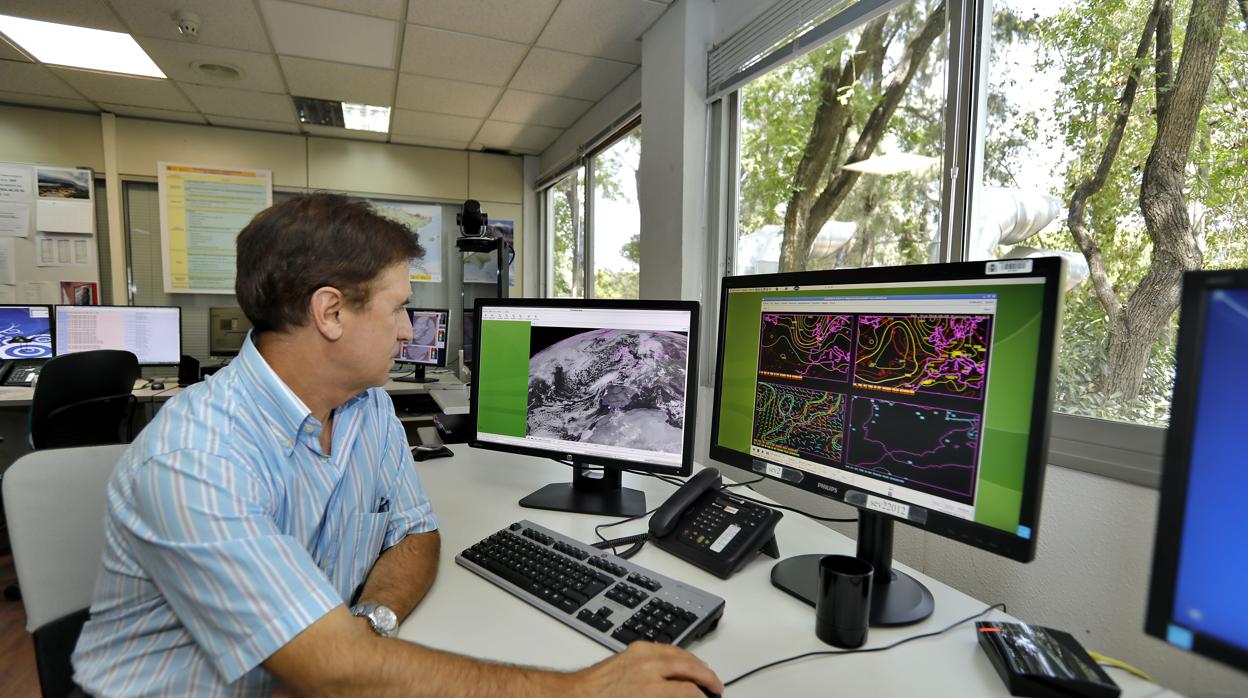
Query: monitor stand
point(896, 597)
point(417, 376)
point(595, 491)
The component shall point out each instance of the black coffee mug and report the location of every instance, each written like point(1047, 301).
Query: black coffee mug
point(843, 604)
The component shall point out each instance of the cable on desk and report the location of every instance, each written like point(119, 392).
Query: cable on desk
point(744, 484)
point(1119, 664)
point(828, 653)
point(604, 543)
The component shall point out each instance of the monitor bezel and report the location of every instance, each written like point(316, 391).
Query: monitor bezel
point(441, 362)
point(691, 381)
point(1176, 465)
point(211, 351)
point(51, 328)
point(1047, 269)
point(178, 308)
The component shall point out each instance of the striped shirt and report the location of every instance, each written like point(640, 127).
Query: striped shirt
point(229, 531)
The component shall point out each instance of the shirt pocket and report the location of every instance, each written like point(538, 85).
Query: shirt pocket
point(361, 545)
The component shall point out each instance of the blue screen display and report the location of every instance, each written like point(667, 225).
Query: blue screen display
point(1210, 596)
point(25, 333)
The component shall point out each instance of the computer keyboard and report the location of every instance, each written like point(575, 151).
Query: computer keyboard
point(606, 597)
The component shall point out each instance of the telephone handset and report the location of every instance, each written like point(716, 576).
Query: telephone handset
point(712, 528)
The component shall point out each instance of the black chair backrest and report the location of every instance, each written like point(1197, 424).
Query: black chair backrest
point(84, 399)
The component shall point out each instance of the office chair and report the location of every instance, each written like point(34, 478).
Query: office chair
point(56, 502)
point(84, 399)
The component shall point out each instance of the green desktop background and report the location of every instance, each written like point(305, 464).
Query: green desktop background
point(1011, 384)
point(503, 380)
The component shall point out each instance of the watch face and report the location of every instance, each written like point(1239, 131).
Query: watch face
point(384, 621)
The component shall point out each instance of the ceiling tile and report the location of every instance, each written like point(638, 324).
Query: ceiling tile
point(254, 124)
point(121, 89)
point(445, 96)
point(34, 79)
point(346, 83)
point(441, 126)
point(404, 139)
point(386, 9)
point(512, 20)
point(260, 71)
point(569, 75)
point(46, 101)
point(248, 105)
point(226, 23)
point(80, 13)
point(543, 110)
point(162, 114)
point(444, 54)
point(606, 28)
point(330, 35)
point(332, 132)
point(9, 52)
point(517, 138)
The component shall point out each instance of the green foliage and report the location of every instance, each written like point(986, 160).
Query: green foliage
point(616, 284)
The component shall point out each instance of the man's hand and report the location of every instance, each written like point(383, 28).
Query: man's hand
point(648, 669)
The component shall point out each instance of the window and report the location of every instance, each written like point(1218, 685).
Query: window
point(593, 223)
point(860, 152)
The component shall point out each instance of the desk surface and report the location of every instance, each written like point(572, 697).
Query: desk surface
point(475, 494)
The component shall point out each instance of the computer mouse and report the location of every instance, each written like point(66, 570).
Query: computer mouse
point(156, 385)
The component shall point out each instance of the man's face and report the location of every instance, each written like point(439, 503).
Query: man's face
point(372, 333)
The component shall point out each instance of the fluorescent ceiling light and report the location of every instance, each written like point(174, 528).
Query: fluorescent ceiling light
point(892, 163)
point(365, 117)
point(79, 47)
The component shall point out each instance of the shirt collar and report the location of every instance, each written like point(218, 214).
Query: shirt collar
point(276, 400)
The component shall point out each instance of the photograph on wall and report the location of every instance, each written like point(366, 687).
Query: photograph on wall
point(482, 267)
point(65, 200)
point(80, 293)
point(426, 222)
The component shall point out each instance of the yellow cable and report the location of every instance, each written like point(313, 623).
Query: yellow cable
point(1121, 665)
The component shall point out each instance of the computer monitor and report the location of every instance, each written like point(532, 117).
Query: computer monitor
point(26, 332)
point(1196, 599)
point(227, 330)
point(469, 341)
point(588, 382)
point(428, 345)
point(152, 333)
point(917, 394)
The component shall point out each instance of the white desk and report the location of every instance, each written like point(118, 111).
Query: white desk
point(474, 494)
point(451, 400)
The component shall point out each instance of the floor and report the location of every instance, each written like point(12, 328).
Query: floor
point(17, 651)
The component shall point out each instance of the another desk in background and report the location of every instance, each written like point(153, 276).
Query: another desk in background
point(475, 494)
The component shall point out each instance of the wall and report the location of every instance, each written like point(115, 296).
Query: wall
point(566, 147)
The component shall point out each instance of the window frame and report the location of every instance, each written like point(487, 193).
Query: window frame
point(1122, 451)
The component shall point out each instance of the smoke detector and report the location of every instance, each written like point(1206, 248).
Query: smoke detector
point(187, 23)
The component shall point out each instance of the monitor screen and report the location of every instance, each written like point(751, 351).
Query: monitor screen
point(1200, 561)
point(428, 345)
point(26, 332)
point(918, 394)
point(153, 334)
point(590, 382)
point(227, 329)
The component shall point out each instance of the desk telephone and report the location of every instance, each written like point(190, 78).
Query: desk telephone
point(21, 374)
point(712, 528)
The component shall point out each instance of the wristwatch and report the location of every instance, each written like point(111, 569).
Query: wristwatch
point(381, 618)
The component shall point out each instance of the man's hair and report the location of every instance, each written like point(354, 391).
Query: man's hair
point(293, 248)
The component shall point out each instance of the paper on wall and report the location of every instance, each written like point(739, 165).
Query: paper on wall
point(15, 220)
point(8, 266)
point(17, 199)
point(35, 292)
point(62, 251)
point(65, 200)
point(8, 295)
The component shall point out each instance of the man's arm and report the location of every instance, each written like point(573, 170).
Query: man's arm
point(402, 575)
point(340, 655)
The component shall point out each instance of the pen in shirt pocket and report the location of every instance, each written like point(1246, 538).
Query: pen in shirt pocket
point(383, 505)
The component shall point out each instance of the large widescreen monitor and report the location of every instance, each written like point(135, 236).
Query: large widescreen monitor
point(153, 334)
point(1197, 600)
point(591, 383)
point(26, 332)
point(227, 330)
point(917, 394)
point(428, 344)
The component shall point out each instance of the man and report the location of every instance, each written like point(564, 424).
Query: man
point(269, 524)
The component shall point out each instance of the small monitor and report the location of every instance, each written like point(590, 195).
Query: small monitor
point(469, 340)
point(607, 383)
point(227, 329)
point(428, 345)
point(152, 333)
point(26, 332)
point(917, 394)
point(1197, 601)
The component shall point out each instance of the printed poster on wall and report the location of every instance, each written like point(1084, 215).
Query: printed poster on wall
point(482, 267)
point(426, 222)
point(66, 200)
point(202, 210)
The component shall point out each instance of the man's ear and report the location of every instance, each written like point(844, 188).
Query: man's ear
point(326, 307)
